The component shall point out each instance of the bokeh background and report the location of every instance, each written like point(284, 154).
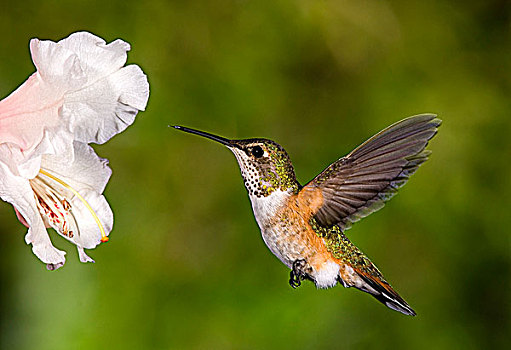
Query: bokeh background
point(186, 268)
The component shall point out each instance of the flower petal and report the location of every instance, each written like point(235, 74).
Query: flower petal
point(97, 58)
point(87, 175)
point(17, 191)
point(84, 257)
point(107, 107)
point(57, 66)
point(108, 97)
point(27, 164)
point(26, 112)
point(53, 267)
point(89, 233)
point(21, 218)
point(87, 171)
point(35, 105)
point(78, 78)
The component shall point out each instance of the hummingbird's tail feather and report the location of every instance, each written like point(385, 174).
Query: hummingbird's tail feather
point(384, 293)
point(357, 270)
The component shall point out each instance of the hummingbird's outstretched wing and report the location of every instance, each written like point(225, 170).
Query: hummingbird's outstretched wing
point(361, 182)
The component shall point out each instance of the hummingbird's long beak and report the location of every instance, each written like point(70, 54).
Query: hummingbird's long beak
point(216, 138)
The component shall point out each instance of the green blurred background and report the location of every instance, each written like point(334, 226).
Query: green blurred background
point(186, 268)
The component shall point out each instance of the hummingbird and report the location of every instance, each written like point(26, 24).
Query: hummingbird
point(304, 226)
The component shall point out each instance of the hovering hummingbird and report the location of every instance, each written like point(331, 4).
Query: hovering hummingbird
point(304, 226)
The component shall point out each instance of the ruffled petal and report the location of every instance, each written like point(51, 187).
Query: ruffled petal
point(36, 104)
point(80, 87)
point(86, 172)
point(108, 96)
point(107, 107)
point(53, 142)
point(17, 191)
point(87, 175)
point(58, 66)
point(97, 58)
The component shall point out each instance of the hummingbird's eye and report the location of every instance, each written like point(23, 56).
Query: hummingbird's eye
point(257, 152)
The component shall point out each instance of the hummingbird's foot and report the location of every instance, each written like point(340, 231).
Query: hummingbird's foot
point(294, 280)
point(297, 274)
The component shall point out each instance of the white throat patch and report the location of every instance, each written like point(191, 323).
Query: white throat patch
point(265, 207)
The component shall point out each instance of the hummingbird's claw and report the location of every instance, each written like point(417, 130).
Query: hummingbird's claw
point(294, 280)
point(297, 273)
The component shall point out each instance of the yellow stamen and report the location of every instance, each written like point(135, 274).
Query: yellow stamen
point(104, 237)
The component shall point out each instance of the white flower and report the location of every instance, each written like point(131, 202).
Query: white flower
point(65, 196)
point(80, 93)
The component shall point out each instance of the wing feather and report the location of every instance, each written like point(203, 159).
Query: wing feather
point(360, 183)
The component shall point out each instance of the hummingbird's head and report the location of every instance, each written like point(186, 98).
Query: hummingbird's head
point(264, 164)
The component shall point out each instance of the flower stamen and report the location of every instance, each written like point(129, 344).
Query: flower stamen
point(66, 206)
point(54, 209)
